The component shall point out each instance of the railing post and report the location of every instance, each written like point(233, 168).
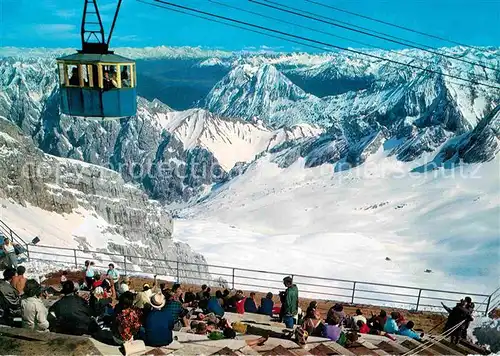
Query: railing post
point(28, 251)
point(353, 290)
point(125, 263)
point(233, 277)
point(418, 299)
point(76, 260)
point(487, 306)
point(178, 280)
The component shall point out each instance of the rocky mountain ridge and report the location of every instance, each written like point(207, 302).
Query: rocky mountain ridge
point(176, 156)
point(60, 185)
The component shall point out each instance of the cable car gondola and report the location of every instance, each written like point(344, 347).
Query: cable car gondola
point(96, 82)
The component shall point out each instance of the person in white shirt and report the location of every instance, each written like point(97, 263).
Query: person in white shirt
point(33, 311)
point(10, 253)
point(359, 316)
point(124, 286)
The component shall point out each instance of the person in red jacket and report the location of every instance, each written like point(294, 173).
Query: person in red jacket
point(363, 327)
point(240, 306)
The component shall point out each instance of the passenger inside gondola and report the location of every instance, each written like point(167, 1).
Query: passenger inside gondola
point(75, 79)
point(109, 83)
point(125, 78)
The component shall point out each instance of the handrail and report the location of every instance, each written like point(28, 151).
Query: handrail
point(11, 233)
point(255, 280)
point(270, 272)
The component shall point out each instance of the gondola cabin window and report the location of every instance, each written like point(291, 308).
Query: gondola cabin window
point(126, 75)
point(62, 75)
point(73, 74)
point(111, 77)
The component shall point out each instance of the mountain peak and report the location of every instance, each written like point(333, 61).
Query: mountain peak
point(263, 92)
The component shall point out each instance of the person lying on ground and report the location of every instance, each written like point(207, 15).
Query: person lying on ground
point(34, 312)
point(407, 330)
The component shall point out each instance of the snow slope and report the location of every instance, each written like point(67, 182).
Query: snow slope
point(344, 224)
point(229, 140)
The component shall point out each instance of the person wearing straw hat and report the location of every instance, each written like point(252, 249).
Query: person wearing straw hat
point(159, 322)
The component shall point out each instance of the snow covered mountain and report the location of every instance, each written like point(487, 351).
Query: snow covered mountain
point(175, 156)
point(274, 130)
point(413, 112)
point(264, 92)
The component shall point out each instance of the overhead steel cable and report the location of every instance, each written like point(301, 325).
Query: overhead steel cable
point(254, 31)
point(390, 24)
point(324, 32)
point(362, 30)
point(228, 24)
point(316, 42)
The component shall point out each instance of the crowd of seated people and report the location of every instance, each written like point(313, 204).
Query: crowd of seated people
point(114, 313)
point(337, 325)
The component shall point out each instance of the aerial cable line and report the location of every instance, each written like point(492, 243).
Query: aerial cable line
point(326, 33)
point(264, 33)
point(365, 31)
point(390, 24)
point(230, 24)
point(324, 44)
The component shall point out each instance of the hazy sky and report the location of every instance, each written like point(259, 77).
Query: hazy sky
point(56, 23)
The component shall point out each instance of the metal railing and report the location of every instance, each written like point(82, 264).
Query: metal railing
point(6, 231)
point(341, 290)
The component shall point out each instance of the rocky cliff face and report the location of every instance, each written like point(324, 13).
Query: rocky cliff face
point(28, 176)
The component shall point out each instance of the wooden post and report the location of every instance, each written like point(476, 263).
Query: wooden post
point(91, 75)
point(118, 76)
point(80, 75)
point(66, 78)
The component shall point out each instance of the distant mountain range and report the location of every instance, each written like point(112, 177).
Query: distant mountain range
point(205, 112)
